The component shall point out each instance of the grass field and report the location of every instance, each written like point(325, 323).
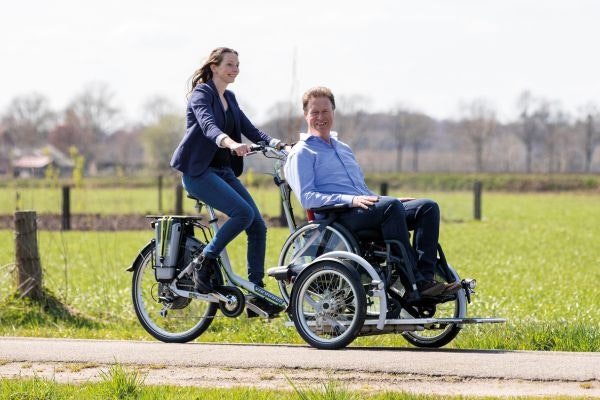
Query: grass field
point(535, 257)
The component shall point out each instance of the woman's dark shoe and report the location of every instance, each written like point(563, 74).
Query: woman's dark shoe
point(201, 275)
point(264, 305)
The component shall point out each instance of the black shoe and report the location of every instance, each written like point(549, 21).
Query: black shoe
point(201, 275)
point(434, 288)
point(264, 305)
point(430, 288)
point(451, 288)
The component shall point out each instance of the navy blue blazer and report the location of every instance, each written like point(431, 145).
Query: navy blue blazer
point(205, 121)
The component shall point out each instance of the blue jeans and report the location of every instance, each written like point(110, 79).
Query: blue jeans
point(395, 219)
point(221, 189)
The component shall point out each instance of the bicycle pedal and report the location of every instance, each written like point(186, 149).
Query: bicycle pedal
point(253, 311)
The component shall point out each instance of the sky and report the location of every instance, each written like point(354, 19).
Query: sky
point(427, 56)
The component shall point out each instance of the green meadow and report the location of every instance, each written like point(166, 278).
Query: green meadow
point(535, 257)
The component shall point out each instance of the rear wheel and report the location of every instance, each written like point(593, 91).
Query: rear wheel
point(166, 316)
point(454, 306)
point(328, 305)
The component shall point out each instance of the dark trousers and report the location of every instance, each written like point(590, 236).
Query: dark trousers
point(395, 219)
point(219, 188)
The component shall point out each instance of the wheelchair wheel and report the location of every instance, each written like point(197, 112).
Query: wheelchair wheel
point(454, 307)
point(164, 315)
point(311, 241)
point(328, 305)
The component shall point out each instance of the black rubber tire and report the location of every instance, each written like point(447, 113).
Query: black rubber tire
point(328, 291)
point(179, 325)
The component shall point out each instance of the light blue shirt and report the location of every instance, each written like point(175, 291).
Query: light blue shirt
point(322, 174)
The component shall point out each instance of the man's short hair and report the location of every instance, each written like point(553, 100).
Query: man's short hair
point(319, 91)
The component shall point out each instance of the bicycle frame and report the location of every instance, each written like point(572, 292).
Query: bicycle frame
point(235, 279)
point(230, 277)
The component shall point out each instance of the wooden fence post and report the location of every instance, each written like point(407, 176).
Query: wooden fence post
point(27, 257)
point(383, 190)
point(477, 200)
point(160, 189)
point(66, 208)
point(179, 199)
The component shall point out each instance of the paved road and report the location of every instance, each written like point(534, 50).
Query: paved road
point(482, 372)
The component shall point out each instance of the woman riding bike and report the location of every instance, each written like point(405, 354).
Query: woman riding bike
point(210, 158)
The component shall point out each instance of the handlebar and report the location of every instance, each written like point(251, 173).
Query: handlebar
point(268, 151)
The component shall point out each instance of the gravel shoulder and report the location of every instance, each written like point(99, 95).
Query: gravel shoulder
point(277, 378)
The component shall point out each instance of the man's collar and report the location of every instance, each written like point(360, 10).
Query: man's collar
point(305, 135)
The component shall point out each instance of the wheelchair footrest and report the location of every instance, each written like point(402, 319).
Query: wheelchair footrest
point(280, 273)
point(437, 321)
point(420, 323)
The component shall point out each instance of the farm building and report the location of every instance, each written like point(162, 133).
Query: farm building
point(35, 163)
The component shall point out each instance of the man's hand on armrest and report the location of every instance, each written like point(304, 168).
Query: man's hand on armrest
point(364, 201)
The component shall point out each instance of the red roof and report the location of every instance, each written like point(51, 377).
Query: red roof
point(32, 162)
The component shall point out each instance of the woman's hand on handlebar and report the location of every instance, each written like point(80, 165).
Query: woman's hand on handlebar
point(239, 149)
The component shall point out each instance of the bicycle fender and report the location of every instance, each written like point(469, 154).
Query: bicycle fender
point(336, 260)
point(379, 290)
point(138, 259)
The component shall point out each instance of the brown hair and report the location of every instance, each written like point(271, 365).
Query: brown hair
point(204, 73)
point(319, 91)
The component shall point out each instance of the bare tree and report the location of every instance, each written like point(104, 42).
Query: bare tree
point(419, 128)
point(28, 119)
point(123, 150)
point(160, 139)
point(399, 133)
point(529, 131)
point(351, 119)
point(591, 116)
point(71, 132)
point(155, 107)
point(590, 142)
point(95, 110)
point(285, 122)
point(552, 121)
point(479, 125)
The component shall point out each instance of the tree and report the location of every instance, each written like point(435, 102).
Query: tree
point(95, 110)
point(71, 132)
point(399, 133)
point(479, 124)
point(28, 119)
point(590, 115)
point(551, 120)
point(155, 107)
point(529, 131)
point(285, 122)
point(351, 120)
point(160, 139)
point(419, 128)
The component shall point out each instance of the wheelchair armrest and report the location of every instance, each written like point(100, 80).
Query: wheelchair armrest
point(331, 208)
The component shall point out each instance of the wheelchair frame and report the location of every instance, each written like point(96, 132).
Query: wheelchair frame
point(377, 288)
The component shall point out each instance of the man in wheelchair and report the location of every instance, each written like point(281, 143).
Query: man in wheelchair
point(322, 171)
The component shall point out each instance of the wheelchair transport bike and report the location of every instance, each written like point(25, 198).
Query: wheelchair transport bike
point(335, 285)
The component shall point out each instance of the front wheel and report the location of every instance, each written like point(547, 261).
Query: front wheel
point(328, 305)
point(311, 241)
point(164, 315)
